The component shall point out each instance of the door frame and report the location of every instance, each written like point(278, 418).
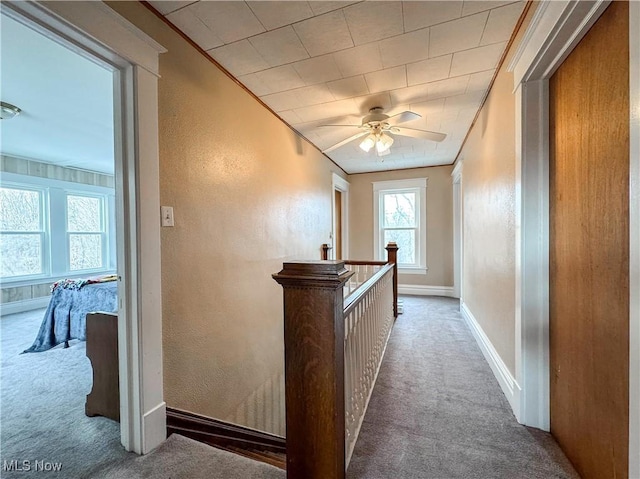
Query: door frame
point(97, 32)
point(555, 29)
point(458, 231)
point(341, 185)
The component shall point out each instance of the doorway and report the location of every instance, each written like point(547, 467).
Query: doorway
point(340, 220)
point(589, 249)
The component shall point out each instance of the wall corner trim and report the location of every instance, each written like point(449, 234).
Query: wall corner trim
point(509, 385)
point(421, 290)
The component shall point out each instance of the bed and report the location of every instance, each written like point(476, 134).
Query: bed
point(70, 302)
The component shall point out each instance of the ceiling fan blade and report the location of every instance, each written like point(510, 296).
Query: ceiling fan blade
point(403, 117)
point(423, 134)
point(344, 142)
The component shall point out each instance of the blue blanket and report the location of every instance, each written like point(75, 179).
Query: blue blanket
point(66, 316)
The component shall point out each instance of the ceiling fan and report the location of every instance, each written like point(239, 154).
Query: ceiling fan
point(376, 127)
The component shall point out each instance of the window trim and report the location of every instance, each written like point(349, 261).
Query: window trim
point(419, 185)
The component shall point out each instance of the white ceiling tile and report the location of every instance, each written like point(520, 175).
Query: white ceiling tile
point(348, 87)
point(429, 70)
point(371, 21)
point(279, 46)
point(231, 21)
point(318, 69)
point(501, 23)
point(457, 35)
point(390, 79)
point(448, 87)
point(312, 95)
point(424, 14)
point(453, 104)
point(320, 7)
point(187, 21)
point(480, 81)
point(280, 78)
point(326, 110)
point(412, 94)
point(477, 59)
point(255, 84)
point(474, 6)
point(290, 117)
point(285, 100)
point(407, 48)
point(358, 60)
point(275, 14)
point(324, 34)
point(168, 6)
point(239, 58)
point(428, 108)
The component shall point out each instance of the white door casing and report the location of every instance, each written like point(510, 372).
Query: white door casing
point(95, 31)
point(341, 185)
point(555, 29)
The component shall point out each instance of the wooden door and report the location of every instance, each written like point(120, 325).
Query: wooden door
point(589, 249)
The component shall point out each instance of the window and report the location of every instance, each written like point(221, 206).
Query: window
point(22, 235)
point(86, 232)
point(52, 228)
point(400, 216)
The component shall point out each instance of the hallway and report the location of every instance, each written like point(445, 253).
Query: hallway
point(437, 412)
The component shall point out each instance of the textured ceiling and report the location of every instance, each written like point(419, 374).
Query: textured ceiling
point(325, 62)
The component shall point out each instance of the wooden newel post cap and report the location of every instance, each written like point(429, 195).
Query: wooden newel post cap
point(315, 274)
point(391, 245)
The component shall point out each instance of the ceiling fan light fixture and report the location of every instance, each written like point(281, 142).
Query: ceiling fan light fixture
point(384, 143)
point(8, 111)
point(368, 143)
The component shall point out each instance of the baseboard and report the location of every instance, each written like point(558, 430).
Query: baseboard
point(510, 387)
point(155, 427)
point(24, 305)
point(420, 290)
point(222, 434)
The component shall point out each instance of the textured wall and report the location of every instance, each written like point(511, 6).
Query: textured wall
point(439, 221)
point(26, 167)
point(248, 194)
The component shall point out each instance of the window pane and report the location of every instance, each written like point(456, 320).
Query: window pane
point(399, 210)
point(406, 240)
point(20, 255)
point(84, 213)
point(85, 251)
point(19, 210)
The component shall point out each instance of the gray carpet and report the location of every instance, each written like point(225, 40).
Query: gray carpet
point(437, 412)
point(42, 406)
point(183, 458)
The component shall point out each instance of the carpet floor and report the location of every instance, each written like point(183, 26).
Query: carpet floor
point(437, 411)
point(42, 407)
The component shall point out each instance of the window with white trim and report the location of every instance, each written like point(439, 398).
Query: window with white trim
point(400, 217)
point(52, 229)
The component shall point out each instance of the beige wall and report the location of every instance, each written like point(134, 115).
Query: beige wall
point(247, 194)
point(439, 221)
point(488, 188)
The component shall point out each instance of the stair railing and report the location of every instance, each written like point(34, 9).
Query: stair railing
point(333, 349)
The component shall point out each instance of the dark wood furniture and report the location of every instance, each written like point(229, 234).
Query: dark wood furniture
point(102, 351)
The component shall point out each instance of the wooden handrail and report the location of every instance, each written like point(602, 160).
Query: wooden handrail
point(364, 263)
point(354, 299)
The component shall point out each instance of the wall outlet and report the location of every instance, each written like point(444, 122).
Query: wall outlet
point(166, 213)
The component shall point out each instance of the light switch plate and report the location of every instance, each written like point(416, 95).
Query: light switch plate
point(167, 215)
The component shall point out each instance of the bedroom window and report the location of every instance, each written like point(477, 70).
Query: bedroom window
point(400, 216)
point(22, 232)
point(86, 232)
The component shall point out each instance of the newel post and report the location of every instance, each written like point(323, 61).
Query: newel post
point(314, 368)
point(325, 251)
point(392, 257)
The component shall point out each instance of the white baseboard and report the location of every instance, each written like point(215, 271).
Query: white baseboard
point(510, 387)
point(155, 427)
point(24, 305)
point(420, 290)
